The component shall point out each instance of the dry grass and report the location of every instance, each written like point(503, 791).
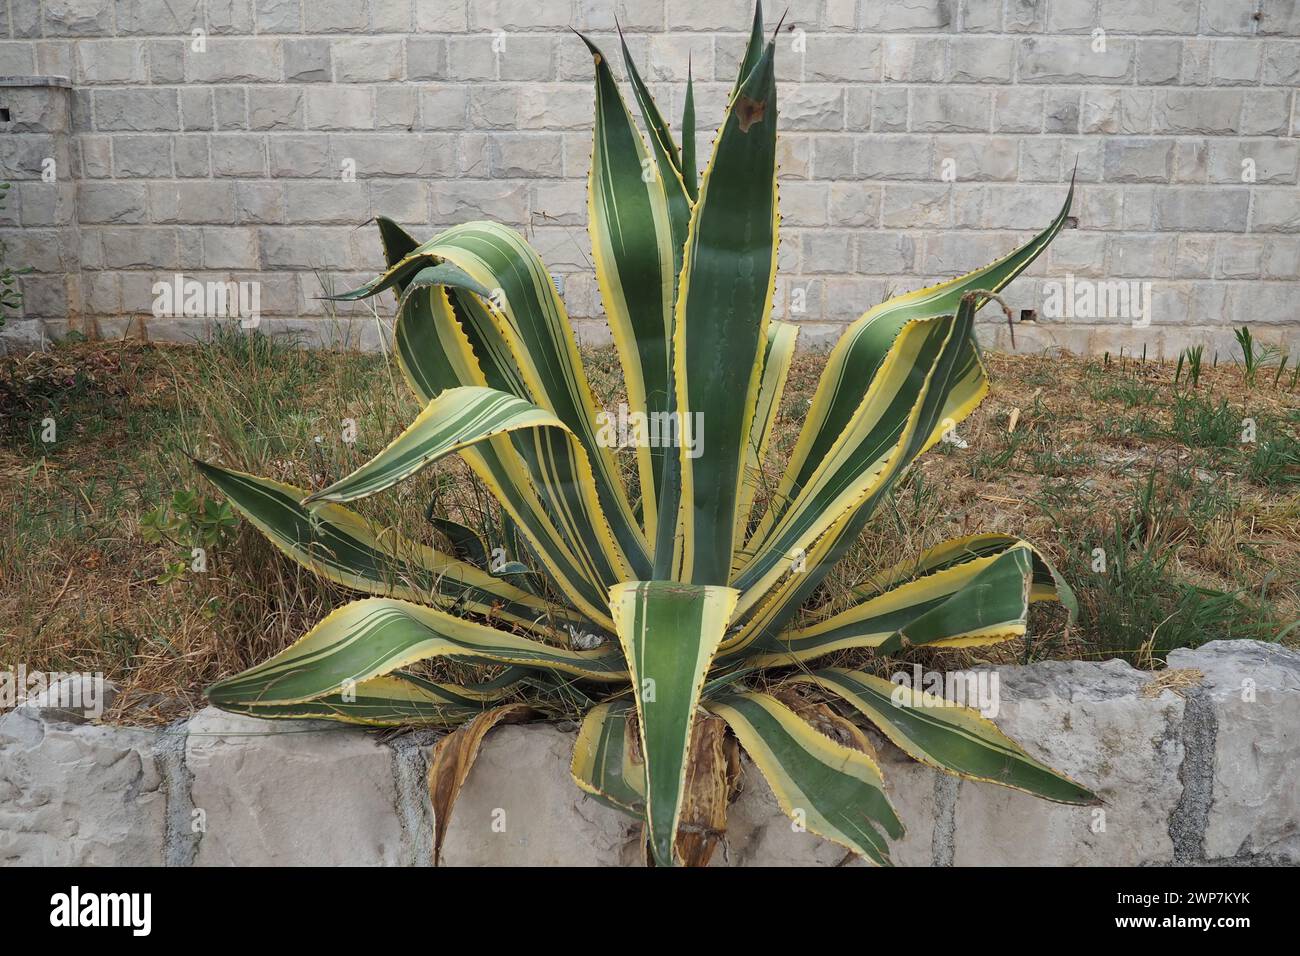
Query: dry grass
point(1107, 455)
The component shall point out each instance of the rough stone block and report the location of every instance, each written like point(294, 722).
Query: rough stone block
point(1249, 709)
point(78, 795)
point(515, 155)
point(111, 61)
point(275, 108)
point(918, 15)
point(1276, 210)
point(307, 60)
point(112, 202)
point(315, 202)
point(1253, 161)
point(893, 157)
point(1138, 160)
point(1089, 721)
point(1215, 112)
point(367, 59)
point(243, 60)
point(277, 16)
point(981, 60)
point(159, 16)
point(808, 107)
point(195, 201)
point(138, 109)
point(78, 18)
point(1073, 60)
point(843, 59)
point(1202, 210)
point(335, 107)
point(950, 110)
point(239, 154)
point(300, 157)
point(1153, 16)
point(289, 793)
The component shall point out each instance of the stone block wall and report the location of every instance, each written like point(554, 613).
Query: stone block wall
point(1199, 770)
point(251, 139)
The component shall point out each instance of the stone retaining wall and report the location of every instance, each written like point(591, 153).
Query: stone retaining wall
point(219, 138)
point(1204, 775)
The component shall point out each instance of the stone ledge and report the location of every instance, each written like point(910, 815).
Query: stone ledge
point(62, 82)
point(1205, 777)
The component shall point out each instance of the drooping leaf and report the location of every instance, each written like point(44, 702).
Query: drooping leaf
point(534, 325)
point(395, 700)
point(946, 736)
point(462, 417)
point(1048, 585)
point(456, 419)
point(435, 354)
point(376, 636)
point(607, 758)
point(343, 547)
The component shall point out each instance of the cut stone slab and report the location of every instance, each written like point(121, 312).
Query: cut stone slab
point(520, 807)
point(1091, 722)
point(78, 795)
point(291, 793)
point(1252, 690)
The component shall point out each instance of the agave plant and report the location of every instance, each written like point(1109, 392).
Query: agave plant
point(680, 631)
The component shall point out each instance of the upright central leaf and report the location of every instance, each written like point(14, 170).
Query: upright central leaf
point(669, 634)
point(632, 242)
point(723, 301)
